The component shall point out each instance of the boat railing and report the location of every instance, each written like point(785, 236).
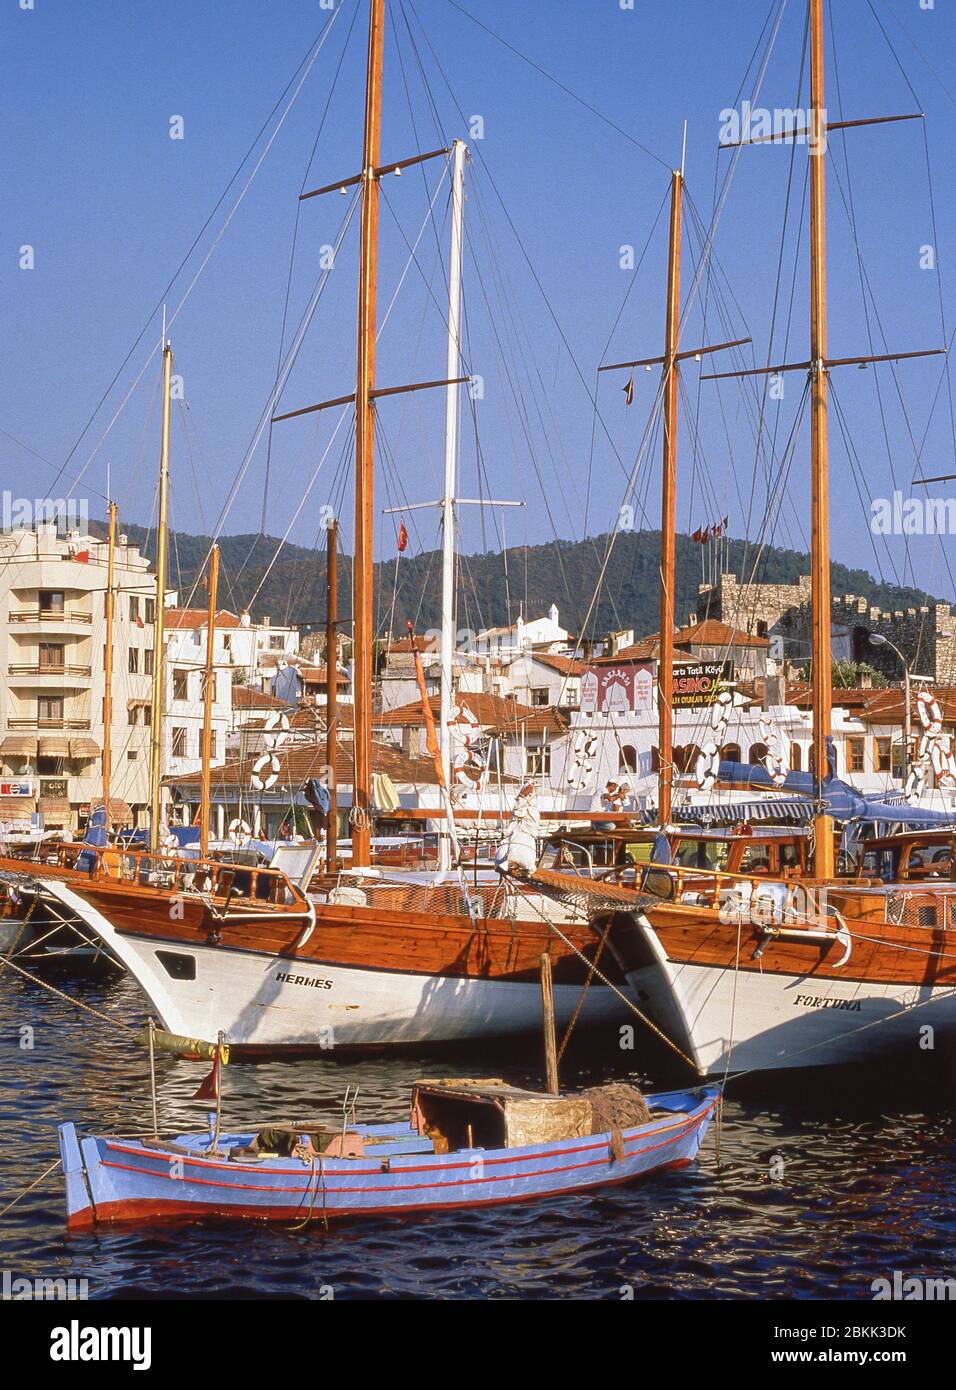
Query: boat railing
point(214, 879)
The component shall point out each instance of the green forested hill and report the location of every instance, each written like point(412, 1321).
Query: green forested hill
point(492, 587)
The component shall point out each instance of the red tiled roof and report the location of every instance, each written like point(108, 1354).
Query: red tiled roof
point(565, 665)
point(422, 644)
point(491, 712)
point(191, 618)
point(317, 675)
point(711, 633)
point(301, 761)
point(245, 697)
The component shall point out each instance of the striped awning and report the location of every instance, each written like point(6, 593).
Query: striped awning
point(799, 809)
point(54, 806)
point(120, 811)
point(16, 807)
point(84, 748)
point(21, 745)
point(54, 748)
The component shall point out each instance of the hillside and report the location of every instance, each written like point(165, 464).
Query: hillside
point(492, 587)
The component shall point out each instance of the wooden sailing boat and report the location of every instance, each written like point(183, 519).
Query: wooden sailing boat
point(378, 964)
point(749, 972)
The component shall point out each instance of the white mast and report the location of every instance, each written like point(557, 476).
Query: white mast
point(451, 475)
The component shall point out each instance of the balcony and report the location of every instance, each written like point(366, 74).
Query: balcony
point(42, 725)
point(55, 617)
point(48, 670)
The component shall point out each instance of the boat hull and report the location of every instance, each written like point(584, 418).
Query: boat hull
point(734, 999)
point(114, 1181)
point(269, 1003)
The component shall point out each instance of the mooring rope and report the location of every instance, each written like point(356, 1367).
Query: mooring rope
point(36, 1183)
point(78, 1003)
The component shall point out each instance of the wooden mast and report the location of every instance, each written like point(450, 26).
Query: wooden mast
point(665, 661)
point(207, 694)
point(156, 719)
point(110, 608)
point(819, 494)
point(331, 696)
point(363, 625)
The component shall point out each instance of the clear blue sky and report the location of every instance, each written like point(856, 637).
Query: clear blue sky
point(111, 204)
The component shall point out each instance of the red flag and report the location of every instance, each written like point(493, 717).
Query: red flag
point(705, 536)
point(629, 390)
point(83, 556)
point(696, 537)
point(209, 1090)
point(402, 537)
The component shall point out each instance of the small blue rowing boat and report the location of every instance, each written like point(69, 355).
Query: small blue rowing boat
point(466, 1144)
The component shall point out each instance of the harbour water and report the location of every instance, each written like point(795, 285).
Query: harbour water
point(825, 1183)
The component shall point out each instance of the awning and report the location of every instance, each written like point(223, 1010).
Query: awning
point(120, 811)
point(54, 806)
point(16, 807)
point(22, 745)
point(54, 748)
point(84, 748)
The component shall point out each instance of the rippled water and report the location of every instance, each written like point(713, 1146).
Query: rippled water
point(822, 1185)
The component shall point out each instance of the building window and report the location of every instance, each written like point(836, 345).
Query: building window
point(133, 608)
point(148, 661)
point(730, 753)
point(796, 758)
point(149, 610)
point(147, 715)
point(180, 685)
point(227, 642)
point(856, 755)
point(134, 661)
point(52, 656)
point(539, 695)
point(276, 644)
point(884, 755)
point(132, 715)
point(132, 755)
point(627, 758)
point(537, 760)
point(50, 709)
point(758, 751)
point(179, 742)
point(215, 695)
point(51, 600)
point(212, 744)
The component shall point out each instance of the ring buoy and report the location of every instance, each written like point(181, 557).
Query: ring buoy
point(929, 712)
point(720, 710)
point(707, 766)
point(240, 829)
point(262, 779)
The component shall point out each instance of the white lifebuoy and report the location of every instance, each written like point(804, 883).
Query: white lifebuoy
point(929, 712)
point(240, 830)
point(708, 766)
point(261, 779)
point(720, 710)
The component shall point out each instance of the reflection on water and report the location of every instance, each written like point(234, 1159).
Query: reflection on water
point(825, 1182)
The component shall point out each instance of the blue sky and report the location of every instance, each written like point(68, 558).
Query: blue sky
point(110, 205)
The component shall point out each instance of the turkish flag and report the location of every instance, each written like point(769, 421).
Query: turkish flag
point(83, 556)
point(402, 537)
point(209, 1090)
point(697, 536)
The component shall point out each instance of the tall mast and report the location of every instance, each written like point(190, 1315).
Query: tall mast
point(331, 696)
point(110, 606)
point(207, 693)
point(451, 476)
point(156, 720)
point(363, 628)
point(665, 662)
point(819, 492)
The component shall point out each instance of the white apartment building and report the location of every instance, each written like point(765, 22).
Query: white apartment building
point(187, 635)
point(52, 676)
